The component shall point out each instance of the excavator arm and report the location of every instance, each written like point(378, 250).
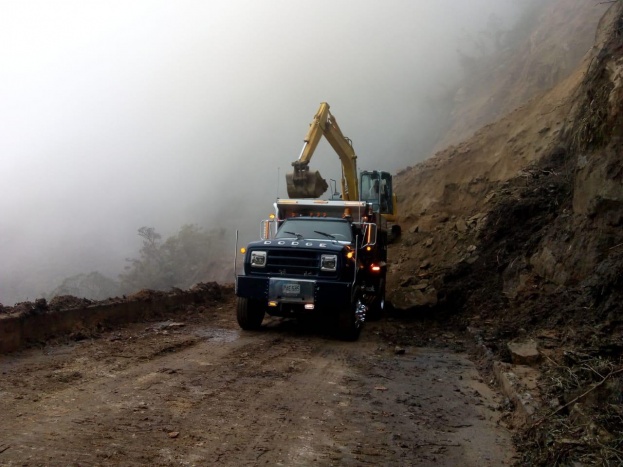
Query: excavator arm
point(303, 184)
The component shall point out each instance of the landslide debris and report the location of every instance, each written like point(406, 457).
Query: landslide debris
point(517, 232)
point(209, 290)
point(68, 302)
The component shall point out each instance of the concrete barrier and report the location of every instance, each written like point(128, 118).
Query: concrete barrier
point(20, 329)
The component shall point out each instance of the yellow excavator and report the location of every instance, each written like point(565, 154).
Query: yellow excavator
point(304, 184)
point(374, 187)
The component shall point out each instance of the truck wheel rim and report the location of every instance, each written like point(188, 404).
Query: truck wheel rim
point(360, 313)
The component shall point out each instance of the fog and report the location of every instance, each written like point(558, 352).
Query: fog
point(117, 115)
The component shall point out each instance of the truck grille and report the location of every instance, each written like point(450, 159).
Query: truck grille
point(293, 262)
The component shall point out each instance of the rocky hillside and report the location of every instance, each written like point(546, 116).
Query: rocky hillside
point(546, 46)
point(518, 231)
point(445, 200)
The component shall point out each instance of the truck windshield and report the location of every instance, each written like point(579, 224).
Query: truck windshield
point(317, 229)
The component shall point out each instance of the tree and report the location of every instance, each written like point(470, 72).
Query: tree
point(191, 256)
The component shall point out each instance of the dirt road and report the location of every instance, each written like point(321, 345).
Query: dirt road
point(198, 391)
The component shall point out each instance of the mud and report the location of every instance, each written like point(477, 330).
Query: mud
point(195, 390)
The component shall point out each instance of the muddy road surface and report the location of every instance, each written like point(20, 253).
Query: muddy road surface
point(193, 389)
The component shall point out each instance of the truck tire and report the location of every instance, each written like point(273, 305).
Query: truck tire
point(375, 312)
point(250, 313)
point(350, 321)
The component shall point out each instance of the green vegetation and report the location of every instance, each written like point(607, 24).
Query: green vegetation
point(181, 261)
point(192, 255)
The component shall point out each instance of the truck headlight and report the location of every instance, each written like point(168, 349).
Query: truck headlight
point(328, 262)
point(258, 259)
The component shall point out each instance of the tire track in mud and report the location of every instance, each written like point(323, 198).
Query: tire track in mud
point(289, 425)
point(209, 394)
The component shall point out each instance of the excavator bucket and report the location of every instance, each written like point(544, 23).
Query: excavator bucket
point(304, 184)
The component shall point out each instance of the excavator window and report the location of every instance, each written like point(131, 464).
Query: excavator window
point(386, 195)
point(370, 189)
point(376, 189)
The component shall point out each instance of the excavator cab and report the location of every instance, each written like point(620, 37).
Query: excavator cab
point(376, 188)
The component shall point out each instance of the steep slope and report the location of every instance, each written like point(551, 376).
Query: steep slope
point(544, 48)
point(518, 231)
point(444, 200)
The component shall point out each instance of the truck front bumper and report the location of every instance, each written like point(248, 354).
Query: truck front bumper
point(283, 291)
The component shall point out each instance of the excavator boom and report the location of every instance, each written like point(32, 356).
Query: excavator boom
point(304, 184)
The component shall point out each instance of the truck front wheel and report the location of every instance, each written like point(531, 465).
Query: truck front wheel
point(250, 313)
point(350, 320)
point(378, 303)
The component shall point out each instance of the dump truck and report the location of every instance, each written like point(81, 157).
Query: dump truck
point(315, 256)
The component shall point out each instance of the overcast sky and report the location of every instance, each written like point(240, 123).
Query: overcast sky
point(119, 114)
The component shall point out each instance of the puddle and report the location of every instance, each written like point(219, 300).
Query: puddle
point(218, 335)
point(165, 325)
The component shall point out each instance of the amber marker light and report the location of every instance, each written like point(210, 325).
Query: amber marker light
point(243, 250)
point(272, 216)
point(369, 248)
point(271, 303)
point(376, 268)
point(349, 255)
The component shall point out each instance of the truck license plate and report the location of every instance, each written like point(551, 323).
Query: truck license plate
point(291, 289)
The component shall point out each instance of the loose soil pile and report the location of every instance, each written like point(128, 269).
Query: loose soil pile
point(529, 244)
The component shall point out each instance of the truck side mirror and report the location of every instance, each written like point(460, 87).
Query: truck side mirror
point(369, 234)
point(265, 229)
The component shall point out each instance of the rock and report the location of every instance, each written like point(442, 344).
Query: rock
point(408, 297)
point(414, 229)
point(425, 264)
point(579, 416)
point(461, 226)
point(426, 297)
point(518, 384)
point(174, 434)
point(471, 248)
point(399, 350)
point(428, 242)
point(406, 281)
point(524, 352)
point(547, 265)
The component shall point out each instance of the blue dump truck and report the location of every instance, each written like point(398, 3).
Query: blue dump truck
point(316, 256)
